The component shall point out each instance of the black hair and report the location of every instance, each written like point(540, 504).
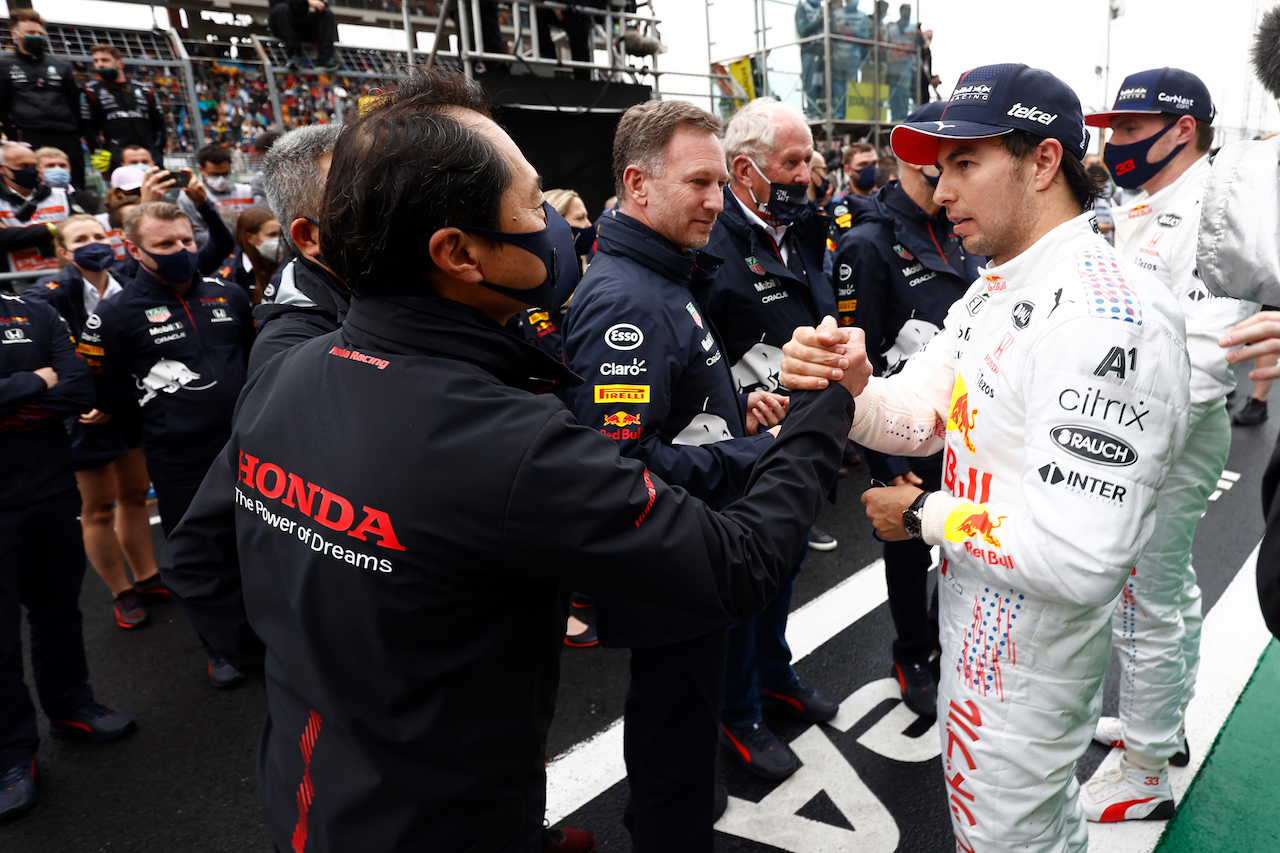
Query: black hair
point(411, 165)
point(1020, 144)
point(216, 154)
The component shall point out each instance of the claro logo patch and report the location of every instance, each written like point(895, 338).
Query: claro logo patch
point(1093, 445)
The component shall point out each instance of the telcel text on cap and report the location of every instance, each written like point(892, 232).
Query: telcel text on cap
point(993, 100)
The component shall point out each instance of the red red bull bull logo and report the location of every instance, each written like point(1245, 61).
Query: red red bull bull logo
point(961, 418)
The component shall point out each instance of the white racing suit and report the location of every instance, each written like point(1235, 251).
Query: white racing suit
point(1157, 625)
point(1058, 388)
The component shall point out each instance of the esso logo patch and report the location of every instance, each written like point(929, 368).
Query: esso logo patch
point(623, 336)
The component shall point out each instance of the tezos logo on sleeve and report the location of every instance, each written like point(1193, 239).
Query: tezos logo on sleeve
point(623, 336)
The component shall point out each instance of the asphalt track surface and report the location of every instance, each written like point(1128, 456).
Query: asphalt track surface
point(185, 779)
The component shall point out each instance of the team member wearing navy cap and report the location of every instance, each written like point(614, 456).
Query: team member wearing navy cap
point(1049, 484)
point(1160, 137)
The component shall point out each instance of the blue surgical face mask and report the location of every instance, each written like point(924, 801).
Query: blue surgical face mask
point(1128, 163)
point(57, 176)
point(554, 247)
point(94, 257)
point(865, 178)
point(786, 201)
point(177, 267)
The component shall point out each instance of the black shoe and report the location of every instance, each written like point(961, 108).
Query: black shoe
point(129, 610)
point(919, 688)
point(821, 541)
point(851, 454)
point(152, 589)
point(801, 700)
point(721, 802)
point(567, 840)
point(1252, 413)
point(329, 66)
point(581, 601)
point(17, 789)
point(761, 752)
point(1183, 757)
point(92, 722)
point(223, 674)
point(585, 640)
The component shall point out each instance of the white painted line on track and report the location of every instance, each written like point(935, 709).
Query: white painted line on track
point(1231, 641)
point(588, 769)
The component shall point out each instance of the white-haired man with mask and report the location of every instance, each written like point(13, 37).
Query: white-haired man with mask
point(771, 281)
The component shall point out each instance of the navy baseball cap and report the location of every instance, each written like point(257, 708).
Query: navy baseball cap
point(1161, 90)
point(994, 100)
point(931, 111)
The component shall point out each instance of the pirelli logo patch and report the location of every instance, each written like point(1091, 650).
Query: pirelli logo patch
point(622, 393)
point(88, 349)
point(847, 305)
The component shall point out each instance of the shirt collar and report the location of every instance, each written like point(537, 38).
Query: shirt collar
point(1041, 257)
point(777, 232)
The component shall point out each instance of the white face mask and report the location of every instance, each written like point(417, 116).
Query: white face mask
point(273, 250)
point(218, 183)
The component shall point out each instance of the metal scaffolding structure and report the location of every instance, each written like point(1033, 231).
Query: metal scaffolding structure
point(854, 72)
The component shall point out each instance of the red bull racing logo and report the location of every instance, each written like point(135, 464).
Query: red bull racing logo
point(621, 419)
point(976, 524)
point(622, 426)
point(961, 418)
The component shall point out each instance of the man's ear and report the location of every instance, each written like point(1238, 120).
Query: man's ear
point(741, 169)
point(635, 182)
point(305, 236)
point(1047, 163)
point(453, 253)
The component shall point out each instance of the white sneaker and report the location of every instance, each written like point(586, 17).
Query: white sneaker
point(1128, 793)
point(1109, 733)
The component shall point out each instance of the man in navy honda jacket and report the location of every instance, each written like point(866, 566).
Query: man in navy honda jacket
point(386, 537)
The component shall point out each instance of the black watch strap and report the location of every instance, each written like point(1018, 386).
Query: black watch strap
point(913, 516)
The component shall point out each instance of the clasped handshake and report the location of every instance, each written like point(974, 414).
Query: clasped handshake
point(816, 357)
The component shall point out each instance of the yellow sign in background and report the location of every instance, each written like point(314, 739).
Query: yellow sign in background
point(860, 100)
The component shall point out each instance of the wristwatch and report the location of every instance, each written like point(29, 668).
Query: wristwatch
point(912, 517)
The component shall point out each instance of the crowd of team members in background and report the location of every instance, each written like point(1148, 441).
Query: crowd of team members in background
point(189, 281)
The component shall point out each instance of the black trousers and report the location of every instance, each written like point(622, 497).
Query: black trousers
point(67, 142)
point(176, 488)
point(313, 26)
point(41, 568)
point(906, 570)
point(669, 742)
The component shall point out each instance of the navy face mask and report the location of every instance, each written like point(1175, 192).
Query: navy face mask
point(584, 239)
point(932, 179)
point(178, 267)
point(554, 246)
point(1128, 163)
point(865, 178)
point(786, 201)
point(94, 257)
point(26, 177)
